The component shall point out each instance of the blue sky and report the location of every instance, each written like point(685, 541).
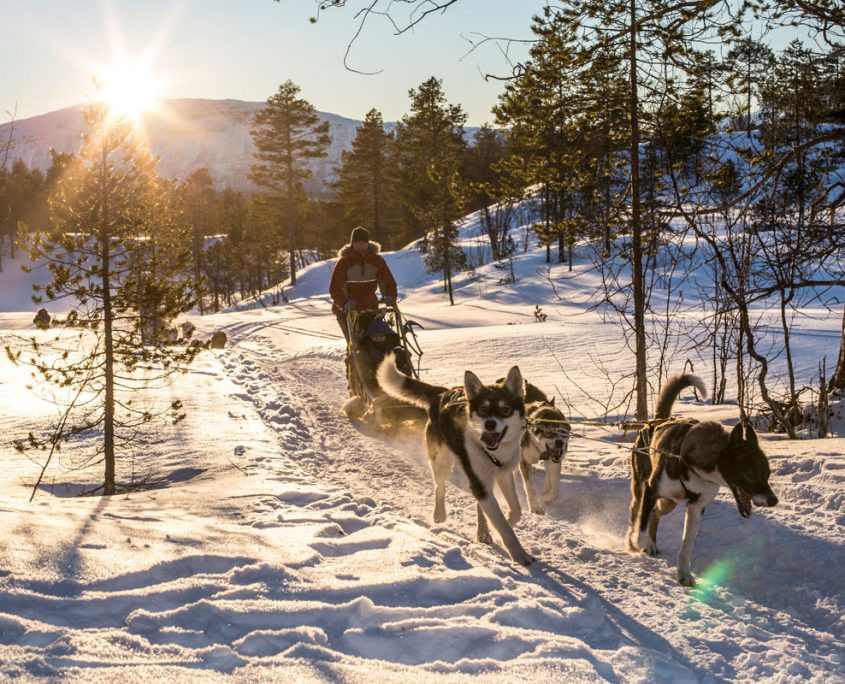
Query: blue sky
point(244, 49)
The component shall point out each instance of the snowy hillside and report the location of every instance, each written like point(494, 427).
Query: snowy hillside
point(278, 540)
point(187, 134)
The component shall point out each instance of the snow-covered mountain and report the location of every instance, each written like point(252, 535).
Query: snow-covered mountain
point(187, 134)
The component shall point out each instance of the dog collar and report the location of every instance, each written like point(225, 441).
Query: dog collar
point(496, 462)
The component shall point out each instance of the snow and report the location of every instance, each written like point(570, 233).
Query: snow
point(276, 539)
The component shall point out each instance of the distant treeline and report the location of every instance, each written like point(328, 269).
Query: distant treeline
point(618, 129)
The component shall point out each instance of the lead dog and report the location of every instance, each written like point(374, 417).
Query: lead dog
point(545, 440)
point(679, 459)
point(478, 427)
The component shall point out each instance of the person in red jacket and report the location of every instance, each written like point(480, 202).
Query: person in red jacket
point(358, 273)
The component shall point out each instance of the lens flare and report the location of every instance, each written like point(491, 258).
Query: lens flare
point(710, 589)
point(129, 90)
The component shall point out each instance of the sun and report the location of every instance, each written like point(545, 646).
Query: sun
point(129, 90)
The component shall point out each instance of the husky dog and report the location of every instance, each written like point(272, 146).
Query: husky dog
point(679, 459)
point(477, 426)
point(546, 439)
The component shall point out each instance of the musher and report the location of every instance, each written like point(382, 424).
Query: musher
point(358, 273)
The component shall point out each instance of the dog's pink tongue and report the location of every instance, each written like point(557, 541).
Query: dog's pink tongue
point(490, 439)
point(743, 501)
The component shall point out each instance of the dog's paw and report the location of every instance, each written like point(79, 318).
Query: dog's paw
point(549, 497)
point(440, 514)
point(523, 558)
point(485, 538)
point(685, 578)
point(538, 509)
point(646, 544)
point(514, 517)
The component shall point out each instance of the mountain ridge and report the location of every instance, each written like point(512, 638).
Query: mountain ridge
point(187, 133)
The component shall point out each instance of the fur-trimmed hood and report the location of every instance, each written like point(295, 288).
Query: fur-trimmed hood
point(346, 250)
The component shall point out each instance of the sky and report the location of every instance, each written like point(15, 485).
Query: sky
point(243, 49)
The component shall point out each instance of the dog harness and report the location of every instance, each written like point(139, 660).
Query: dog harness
point(675, 466)
point(677, 469)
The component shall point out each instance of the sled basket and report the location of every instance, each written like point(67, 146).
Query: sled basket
point(375, 407)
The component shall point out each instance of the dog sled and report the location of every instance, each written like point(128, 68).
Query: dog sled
point(367, 402)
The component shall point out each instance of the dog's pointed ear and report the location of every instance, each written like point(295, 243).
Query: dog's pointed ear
point(514, 383)
point(552, 401)
point(751, 437)
point(472, 385)
point(736, 436)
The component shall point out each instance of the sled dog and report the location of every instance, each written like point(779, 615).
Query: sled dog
point(545, 439)
point(478, 427)
point(682, 458)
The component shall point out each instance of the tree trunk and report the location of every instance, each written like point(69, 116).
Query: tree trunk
point(447, 263)
point(837, 380)
point(641, 411)
point(377, 205)
point(748, 105)
point(198, 268)
point(217, 284)
point(787, 346)
point(108, 322)
point(290, 222)
point(740, 377)
point(492, 233)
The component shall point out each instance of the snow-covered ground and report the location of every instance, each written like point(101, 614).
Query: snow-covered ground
point(278, 539)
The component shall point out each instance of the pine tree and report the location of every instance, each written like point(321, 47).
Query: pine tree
point(429, 152)
point(363, 179)
point(491, 189)
point(600, 160)
point(263, 256)
point(287, 134)
point(657, 42)
point(232, 217)
point(745, 62)
point(198, 200)
point(21, 194)
point(681, 127)
point(539, 108)
point(793, 105)
point(115, 253)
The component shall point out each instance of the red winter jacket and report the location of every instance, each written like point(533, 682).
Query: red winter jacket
point(357, 277)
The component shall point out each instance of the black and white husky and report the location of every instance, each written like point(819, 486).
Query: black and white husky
point(679, 459)
point(545, 440)
point(478, 427)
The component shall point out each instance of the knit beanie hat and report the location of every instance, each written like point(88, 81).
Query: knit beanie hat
point(360, 235)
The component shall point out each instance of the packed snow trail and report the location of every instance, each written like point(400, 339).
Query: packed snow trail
point(260, 566)
point(739, 622)
point(283, 542)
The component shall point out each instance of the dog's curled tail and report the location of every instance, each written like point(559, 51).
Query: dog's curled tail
point(401, 386)
point(673, 388)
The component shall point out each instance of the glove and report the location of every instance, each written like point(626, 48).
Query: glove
point(350, 305)
point(390, 301)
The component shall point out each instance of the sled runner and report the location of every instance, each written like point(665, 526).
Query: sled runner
point(374, 334)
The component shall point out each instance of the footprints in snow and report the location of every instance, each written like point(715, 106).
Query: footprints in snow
point(276, 406)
